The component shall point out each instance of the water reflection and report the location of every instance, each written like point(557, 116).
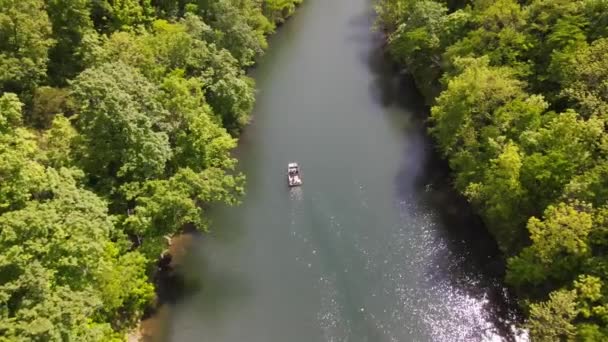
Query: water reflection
point(459, 295)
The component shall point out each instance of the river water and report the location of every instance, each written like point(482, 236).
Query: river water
point(374, 246)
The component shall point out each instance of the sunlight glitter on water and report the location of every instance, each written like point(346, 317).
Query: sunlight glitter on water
point(448, 311)
point(417, 271)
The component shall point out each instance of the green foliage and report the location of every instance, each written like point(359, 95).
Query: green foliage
point(112, 15)
point(584, 78)
point(54, 259)
point(423, 35)
point(279, 10)
point(238, 26)
point(519, 98)
point(499, 36)
point(58, 142)
point(58, 245)
point(47, 103)
point(118, 118)
point(123, 141)
point(552, 320)
point(502, 194)
point(21, 175)
point(163, 207)
point(25, 39)
point(70, 21)
point(182, 47)
point(197, 140)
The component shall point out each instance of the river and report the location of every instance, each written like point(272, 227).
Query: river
point(374, 246)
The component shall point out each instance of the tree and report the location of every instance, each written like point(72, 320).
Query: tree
point(519, 98)
point(239, 27)
point(58, 142)
point(57, 245)
point(118, 122)
point(54, 255)
point(499, 35)
point(278, 10)
point(390, 13)
point(46, 103)
point(418, 38)
point(70, 21)
point(564, 147)
point(198, 141)
point(113, 15)
point(21, 174)
point(164, 207)
point(584, 79)
point(501, 196)
point(553, 320)
point(596, 13)
point(564, 231)
point(121, 139)
point(590, 186)
point(469, 102)
point(25, 39)
point(559, 245)
point(174, 47)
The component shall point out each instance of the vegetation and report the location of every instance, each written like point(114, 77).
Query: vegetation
point(519, 95)
point(117, 120)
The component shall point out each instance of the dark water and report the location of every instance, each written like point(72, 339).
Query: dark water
point(374, 246)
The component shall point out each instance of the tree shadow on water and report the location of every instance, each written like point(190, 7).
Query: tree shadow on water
point(195, 281)
point(424, 180)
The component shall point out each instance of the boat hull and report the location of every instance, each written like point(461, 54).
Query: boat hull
point(294, 181)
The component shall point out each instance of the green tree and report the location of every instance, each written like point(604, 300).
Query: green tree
point(21, 174)
point(58, 143)
point(596, 13)
point(25, 39)
point(198, 141)
point(239, 27)
point(173, 47)
point(46, 103)
point(70, 21)
point(499, 35)
point(118, 121)
point(584, 79)
point(501, 196)
point(559, 245)
point(113, 15)
point(54, 256)
point(418, 38)
point(279, 10)
point(516, 155)
point(164, 207)
point(564, 147)
point(553, 320)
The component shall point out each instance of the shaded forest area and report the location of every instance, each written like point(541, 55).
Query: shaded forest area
point(519, 96)
point(117, 119)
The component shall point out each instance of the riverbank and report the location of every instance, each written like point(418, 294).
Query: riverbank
point(511, 114)
point(170, 286)
point(131, 112)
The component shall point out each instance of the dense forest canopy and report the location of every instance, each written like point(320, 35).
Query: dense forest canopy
point(117, 119)
point(519, 95)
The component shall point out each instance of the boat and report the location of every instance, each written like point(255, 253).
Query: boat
point(293, 175)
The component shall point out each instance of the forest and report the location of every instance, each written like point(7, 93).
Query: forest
point(519, 106)
point(117, 121)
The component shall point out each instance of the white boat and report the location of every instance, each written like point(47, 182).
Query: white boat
point(293, 175)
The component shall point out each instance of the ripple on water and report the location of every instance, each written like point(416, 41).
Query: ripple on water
point(446, 311)
point(333, 325)
point(411, 291)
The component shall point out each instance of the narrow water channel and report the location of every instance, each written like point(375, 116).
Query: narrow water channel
point(374, 246)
